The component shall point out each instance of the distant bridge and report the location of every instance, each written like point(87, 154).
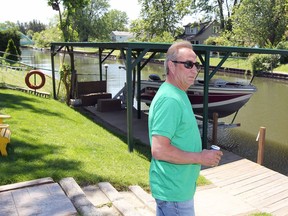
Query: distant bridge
point(25, 40)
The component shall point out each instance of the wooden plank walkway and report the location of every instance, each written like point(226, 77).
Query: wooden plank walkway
point(258, 186)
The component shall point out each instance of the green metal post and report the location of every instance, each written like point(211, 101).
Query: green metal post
point(53, 72)
point(205, 101)
point(219, 65)
point(73, 71)
point(100, 63)
point(138, 89)
point(129, 100)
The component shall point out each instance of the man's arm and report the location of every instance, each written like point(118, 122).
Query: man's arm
point(162, 149)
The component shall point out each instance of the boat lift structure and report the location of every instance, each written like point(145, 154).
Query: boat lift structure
point(134, 53)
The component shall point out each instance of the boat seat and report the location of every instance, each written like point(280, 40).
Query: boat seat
point(90, 92)
point(108, 105)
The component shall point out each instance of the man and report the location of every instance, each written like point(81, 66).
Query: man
point(175, 139)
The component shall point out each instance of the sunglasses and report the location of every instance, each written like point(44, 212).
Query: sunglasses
point(188, 64)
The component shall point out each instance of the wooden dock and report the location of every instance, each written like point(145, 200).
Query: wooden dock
point(261, 188)
point(258, 186)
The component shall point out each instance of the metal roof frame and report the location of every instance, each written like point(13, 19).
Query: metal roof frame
point(134, 53)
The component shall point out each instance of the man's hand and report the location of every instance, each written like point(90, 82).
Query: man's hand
point(210, 157)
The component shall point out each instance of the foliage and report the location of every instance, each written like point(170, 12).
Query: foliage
point(86, 20)
point(165, 37)
point(9, 25)
point(215, 8)
point(11, 55)
point(260, 23)
point(159, 17)
point(113, 20)
point(30, 33)
point(6, 35)
point(34, 26)
point(137, 27)
point(226, 38)
point(283, 58)
point(218, 41)
point(260, 214)
point(116, 20)
point(81, 20)
point(263, 62)
point(65, 78)
point(68, 15)
point(44, 38)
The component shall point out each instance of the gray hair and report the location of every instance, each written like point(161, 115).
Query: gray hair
point(173, 51)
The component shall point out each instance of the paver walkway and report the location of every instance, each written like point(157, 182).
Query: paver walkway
point(41, 197)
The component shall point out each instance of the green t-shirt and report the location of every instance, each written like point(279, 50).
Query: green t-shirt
point(171, 115)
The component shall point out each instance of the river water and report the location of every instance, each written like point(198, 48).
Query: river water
point(267, 108)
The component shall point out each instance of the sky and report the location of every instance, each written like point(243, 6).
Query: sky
point(29, 10)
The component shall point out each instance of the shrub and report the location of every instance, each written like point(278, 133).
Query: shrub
point(5, 36)
point(283, 58)
point(11, 53)
point(263, 62)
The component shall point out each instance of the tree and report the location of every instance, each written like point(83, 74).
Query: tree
point(9, 25)
point(116, 20)
point(222, 9)
point(262, 23)
point(6, 35)
point(11, 55)
point(161, 16)
point(113, 20)
point(35, 26)
point(66, 17)
point(87, 19)
point(137, 28)
point(140, 35)
point(44, 38)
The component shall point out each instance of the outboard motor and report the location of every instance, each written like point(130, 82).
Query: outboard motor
point(154, 77)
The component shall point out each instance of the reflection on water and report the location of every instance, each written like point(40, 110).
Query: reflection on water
point(244, 143)
point(267, 107)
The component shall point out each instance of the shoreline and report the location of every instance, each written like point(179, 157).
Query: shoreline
point(272, 75)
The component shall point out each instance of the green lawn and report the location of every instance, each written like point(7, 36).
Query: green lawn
point(50, 139)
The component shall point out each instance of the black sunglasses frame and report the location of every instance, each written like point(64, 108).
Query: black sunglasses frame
point(188, 64)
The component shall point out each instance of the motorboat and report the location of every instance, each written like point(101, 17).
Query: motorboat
point(224, 97)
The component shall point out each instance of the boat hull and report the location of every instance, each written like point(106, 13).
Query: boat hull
point(224, 98)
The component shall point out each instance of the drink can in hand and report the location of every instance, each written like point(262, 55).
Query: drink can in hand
point(215, 147)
